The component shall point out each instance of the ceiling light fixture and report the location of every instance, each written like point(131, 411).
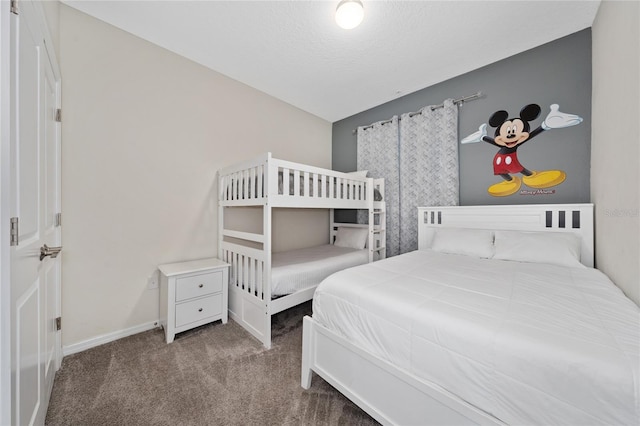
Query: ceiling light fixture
point(349, 14)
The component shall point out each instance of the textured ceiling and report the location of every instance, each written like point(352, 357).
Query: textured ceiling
point(294, 51)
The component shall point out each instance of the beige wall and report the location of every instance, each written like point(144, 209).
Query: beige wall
point(144, 133)
point(615, 156)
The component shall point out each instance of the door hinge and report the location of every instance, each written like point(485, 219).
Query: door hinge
point(59, 115)
point(58, 219)
point(13, 232)
point(58, 323)
point(14, 7)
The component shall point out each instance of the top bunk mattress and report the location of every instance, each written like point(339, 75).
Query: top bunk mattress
point(527, 343)
point(299, 269)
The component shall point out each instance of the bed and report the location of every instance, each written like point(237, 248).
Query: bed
point(487, 323)
point(263, 283)
point(297, 270)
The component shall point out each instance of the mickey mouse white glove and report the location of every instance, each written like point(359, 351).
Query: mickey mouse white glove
point(477, 136)
point(558, 120)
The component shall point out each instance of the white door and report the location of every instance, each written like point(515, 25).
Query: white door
point(35, 201)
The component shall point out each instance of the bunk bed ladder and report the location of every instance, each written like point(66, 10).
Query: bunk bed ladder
point(378, 225)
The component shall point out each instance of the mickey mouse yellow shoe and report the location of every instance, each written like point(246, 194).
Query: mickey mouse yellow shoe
point(505, 188)
point(545, 179)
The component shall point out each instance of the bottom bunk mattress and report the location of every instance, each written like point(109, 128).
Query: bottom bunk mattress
point(296, 270)
point(527, 343)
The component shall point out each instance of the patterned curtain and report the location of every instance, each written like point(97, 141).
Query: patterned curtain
point(418, 158)
point(428, 166)
point(378, 153)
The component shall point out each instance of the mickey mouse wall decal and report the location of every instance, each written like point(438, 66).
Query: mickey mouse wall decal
point(509, 135)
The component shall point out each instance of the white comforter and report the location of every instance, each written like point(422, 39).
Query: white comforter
point(299, 269)
point(527, 343)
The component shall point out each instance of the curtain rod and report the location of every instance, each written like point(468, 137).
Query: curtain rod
point(459, 101)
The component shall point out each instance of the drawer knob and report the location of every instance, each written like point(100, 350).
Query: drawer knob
point(201, 285)
point(200, 310)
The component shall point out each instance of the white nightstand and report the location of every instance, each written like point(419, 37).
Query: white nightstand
point(192, 294)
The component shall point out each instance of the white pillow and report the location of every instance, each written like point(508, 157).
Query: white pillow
point(556, 248)
point(470, 242)
point(360, 173)
point(351, 237)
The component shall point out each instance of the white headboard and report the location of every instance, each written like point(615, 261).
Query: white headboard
point(574, 218)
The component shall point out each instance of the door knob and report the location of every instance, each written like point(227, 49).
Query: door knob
point(49, 251)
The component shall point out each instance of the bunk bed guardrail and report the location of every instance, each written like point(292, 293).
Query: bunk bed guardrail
point(289, 184)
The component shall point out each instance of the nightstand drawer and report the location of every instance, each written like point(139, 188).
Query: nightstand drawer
point(198, 285)
point(198, 309)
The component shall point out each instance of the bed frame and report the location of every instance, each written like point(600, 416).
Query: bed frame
point(388, 393)
point(271, 183)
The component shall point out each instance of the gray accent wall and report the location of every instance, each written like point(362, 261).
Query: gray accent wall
point(556, 72)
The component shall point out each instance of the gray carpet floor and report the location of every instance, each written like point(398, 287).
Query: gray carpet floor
point(213, 375)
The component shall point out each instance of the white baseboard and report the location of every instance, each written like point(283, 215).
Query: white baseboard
point(106, 338)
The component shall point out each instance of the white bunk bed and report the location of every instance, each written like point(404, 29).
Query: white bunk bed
point(445, 337)
point(272, 183)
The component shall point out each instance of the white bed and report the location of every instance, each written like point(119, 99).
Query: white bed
point(297, 270)
point(440, 338)
point(261, 284)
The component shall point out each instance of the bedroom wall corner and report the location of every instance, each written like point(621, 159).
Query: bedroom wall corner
point(145, 132)
point(615, 156)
